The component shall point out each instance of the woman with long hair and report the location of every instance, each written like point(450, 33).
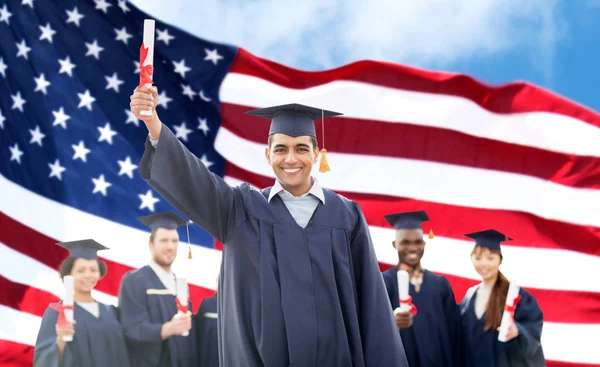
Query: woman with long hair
point(97, 337)
point(482, 308)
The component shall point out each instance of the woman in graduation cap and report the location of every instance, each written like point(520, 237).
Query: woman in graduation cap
point(97, 335)
point(300, 284)
point(482, 308)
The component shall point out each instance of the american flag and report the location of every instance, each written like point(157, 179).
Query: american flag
point(515, 157)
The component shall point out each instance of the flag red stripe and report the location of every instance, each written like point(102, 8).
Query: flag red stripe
point(510, 98)
point(533, 231)
point(15, 354)
point(25, 298)
point(44, 250)
point(423, 143)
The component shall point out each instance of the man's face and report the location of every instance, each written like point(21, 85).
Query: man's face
point(164, 246)
point(292, 159)
point(410, 245)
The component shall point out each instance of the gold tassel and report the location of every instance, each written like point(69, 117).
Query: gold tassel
point(431, 234)
point(190, 252)
point(324, 166)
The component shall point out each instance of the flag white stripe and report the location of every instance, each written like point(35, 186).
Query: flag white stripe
point(432, 181)
point(563, 342)
point(22, 269)
point(542, 130)
point(128, 246)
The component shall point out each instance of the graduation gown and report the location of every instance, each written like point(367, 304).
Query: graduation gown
point(434, 337)
point(482, 348)
point(145, 305)
point(287, 295)
point(98, 341)
point(206, 331)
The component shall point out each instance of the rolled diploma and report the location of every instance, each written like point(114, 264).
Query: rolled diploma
point(507, 317)
point(68, 300)
point(402, 276)
point(182, 296)
point(148, 40)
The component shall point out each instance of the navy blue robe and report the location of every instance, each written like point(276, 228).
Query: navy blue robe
point(207, 334)
point(482, 348)
point(434, 337)
point(143, 312)
point(98, 341)
point(287, 295)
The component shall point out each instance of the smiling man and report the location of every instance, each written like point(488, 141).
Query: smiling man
point(149, 315)
point(431, 337)
point(300, 284)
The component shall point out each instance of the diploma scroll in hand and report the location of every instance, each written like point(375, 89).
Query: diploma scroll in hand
point(65, 311)
point(147, 59)
point(404, 298)
point(512, 298)
point(182, 298)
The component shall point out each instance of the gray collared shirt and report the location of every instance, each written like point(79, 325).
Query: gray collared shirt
point(300, 207)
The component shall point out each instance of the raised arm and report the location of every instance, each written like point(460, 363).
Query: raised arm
point(182, 179)
point(381, 341)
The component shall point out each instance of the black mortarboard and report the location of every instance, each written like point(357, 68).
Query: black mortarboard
point(166, 220)
point(490, 238)
point(83, 249)
point(408, 220)
point(293, 119)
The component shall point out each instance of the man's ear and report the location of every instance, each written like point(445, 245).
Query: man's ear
point(317, 151)
point(268, 155)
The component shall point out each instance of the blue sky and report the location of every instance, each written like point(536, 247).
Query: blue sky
point(554, 44)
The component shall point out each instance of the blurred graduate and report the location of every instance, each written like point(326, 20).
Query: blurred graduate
point(482, 308)
point(147, 299)
point(97, 337)
point(431, 330)
point(206, 331)
point(300, 283)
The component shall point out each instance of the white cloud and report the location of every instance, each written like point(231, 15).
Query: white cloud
point(317, 34)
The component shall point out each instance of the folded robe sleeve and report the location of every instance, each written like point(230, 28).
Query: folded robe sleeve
point(46, 349)
point(382, 345)
point(134, 315)
point(183, 180)
point(529, 320)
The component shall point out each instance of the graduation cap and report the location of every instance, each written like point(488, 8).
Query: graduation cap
point(296, 120)
point(83, 249)
point(408, 220)
point(167, 220)
point(490, 238)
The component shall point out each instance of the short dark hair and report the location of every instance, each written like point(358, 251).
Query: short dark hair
point(67, 266)
point(312, 139)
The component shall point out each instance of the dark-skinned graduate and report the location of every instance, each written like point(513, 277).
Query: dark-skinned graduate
point(97, 338)
point(299, 282)
point(430, 332)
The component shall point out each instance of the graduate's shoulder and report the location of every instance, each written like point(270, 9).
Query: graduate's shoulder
point(140, 274)
point(389, 272)
point(351, 207)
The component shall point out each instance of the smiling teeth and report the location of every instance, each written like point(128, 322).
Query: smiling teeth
point(291, 170)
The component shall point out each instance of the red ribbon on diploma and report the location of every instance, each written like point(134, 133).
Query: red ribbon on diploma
point(408, 302)
point(62, 319)
point(511, 308)
point(145, 71)
point(180, 307)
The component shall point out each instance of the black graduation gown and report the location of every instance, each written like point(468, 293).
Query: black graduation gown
point(98, 341)
point(287, 295)
point(434, 337)
point(145, 307)
point(482, 348)
point(207, 335)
